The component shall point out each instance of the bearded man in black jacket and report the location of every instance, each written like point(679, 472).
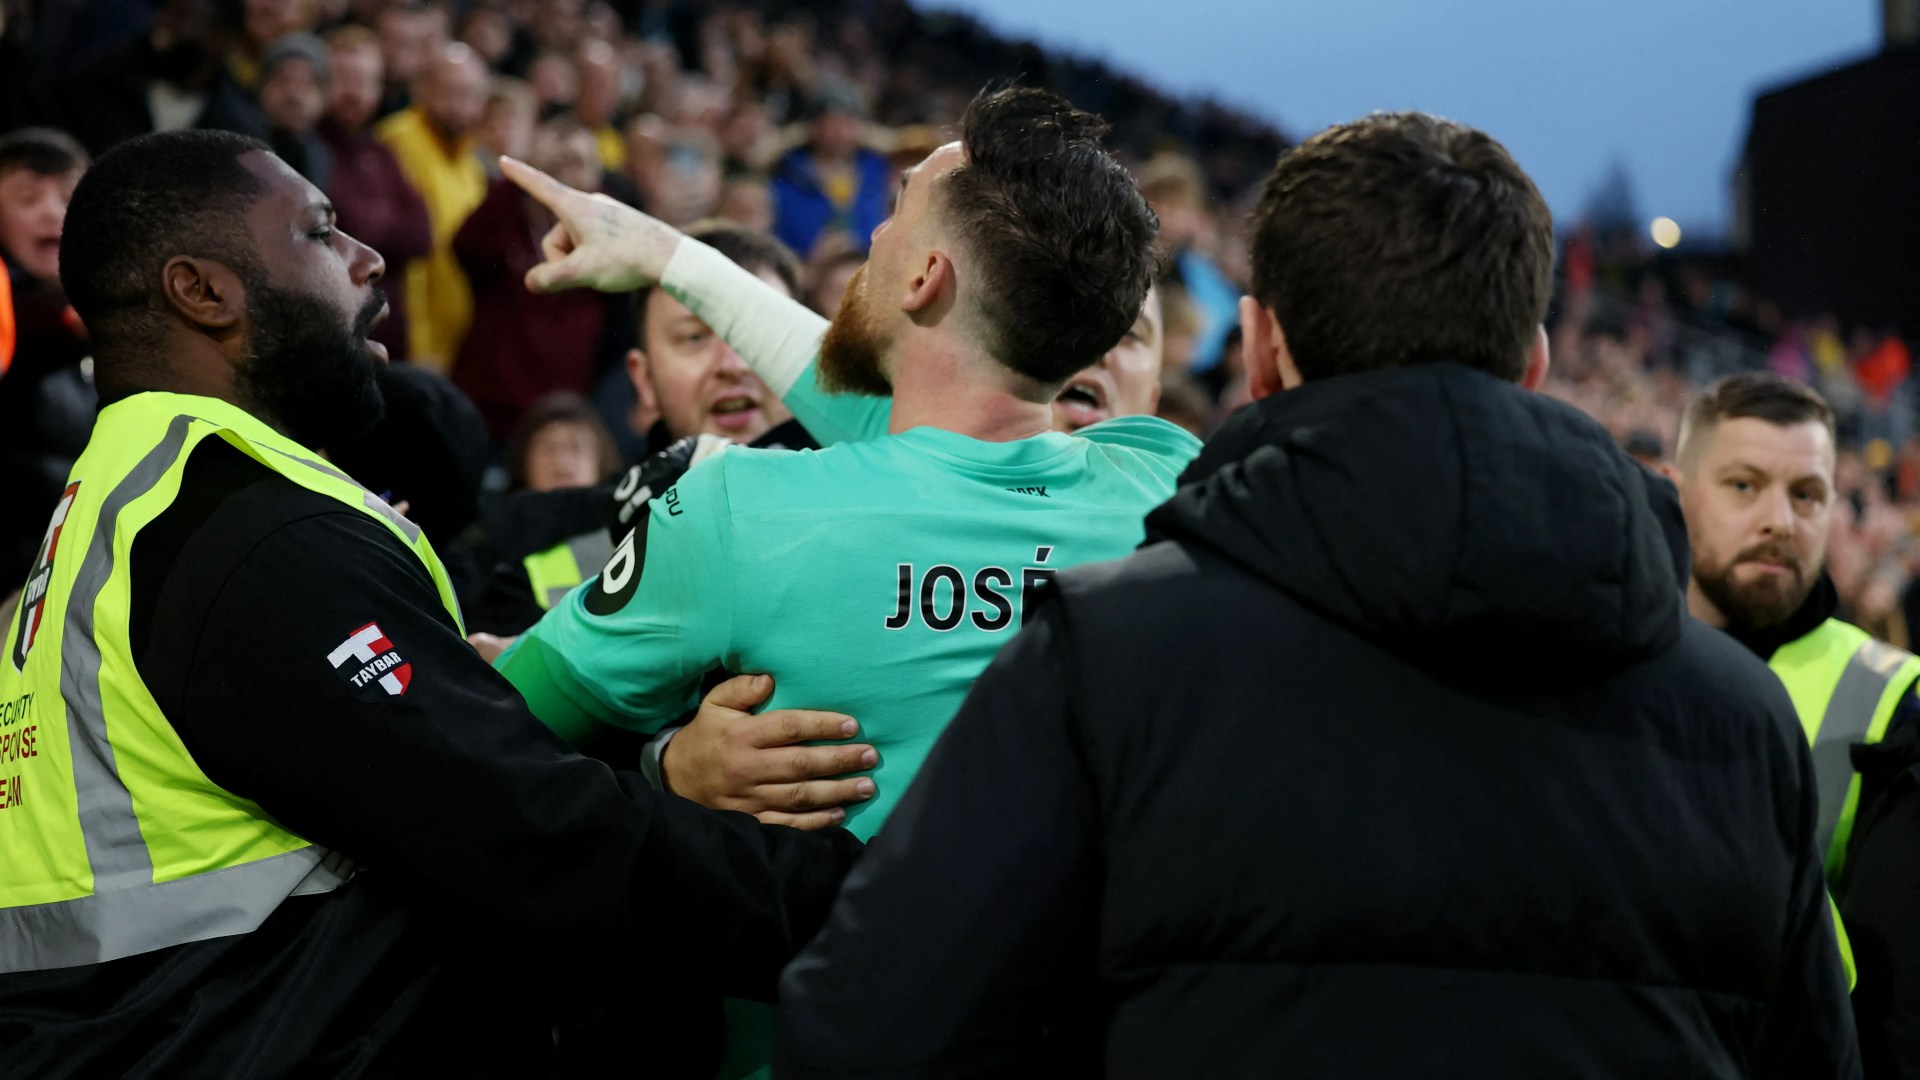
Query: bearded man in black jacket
point(1396, 755)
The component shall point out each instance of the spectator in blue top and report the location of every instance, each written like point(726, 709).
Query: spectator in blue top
point(1177, 191)
point(832, 183)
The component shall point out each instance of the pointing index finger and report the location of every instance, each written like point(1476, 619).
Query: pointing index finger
point(551, 193)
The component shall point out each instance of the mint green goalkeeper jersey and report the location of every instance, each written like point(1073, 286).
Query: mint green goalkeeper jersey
point(875, 577)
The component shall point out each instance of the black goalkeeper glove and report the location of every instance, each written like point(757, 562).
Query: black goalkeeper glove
point(653, 475)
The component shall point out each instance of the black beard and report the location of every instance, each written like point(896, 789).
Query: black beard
point(307, 373)
point(850, 354)
point(1753, 607)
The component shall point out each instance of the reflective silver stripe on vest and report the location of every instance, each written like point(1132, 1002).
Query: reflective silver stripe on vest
point(1849, 715)
point(590, 551)
point(115, 849)
point(373, 502)
point(128, 913)
point(109, 925)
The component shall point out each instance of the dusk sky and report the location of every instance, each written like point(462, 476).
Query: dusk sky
point(1664, 86)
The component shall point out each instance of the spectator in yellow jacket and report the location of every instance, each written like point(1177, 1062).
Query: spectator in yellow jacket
point(432, 141)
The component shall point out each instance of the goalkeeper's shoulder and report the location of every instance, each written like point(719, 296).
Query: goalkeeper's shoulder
point(1149, 438)
point(738, 481)
point(702, 489)
point(759, 482)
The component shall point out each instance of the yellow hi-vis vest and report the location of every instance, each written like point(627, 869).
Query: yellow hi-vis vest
point(113, 842)
point(556, 571)
point(1845, 685)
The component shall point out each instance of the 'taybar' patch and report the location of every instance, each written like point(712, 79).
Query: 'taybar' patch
point(367, 662)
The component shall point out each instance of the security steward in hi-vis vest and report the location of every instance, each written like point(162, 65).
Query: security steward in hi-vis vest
point(116, 842)
point(1859, 704)
point(263, 811)
point(1755, 469)
point(1847, 688)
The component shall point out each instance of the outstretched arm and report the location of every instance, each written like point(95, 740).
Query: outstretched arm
point(463, 800)
point(630, 646)
point(603, 244)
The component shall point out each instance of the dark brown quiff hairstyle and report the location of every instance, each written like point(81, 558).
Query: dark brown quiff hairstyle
point(1058, 236)
point(1403, 239)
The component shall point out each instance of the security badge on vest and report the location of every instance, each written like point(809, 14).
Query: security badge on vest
point(33, 598)
point(110, 834)
point(1846, 686)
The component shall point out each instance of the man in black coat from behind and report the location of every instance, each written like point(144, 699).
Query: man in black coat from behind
point(1396, 755)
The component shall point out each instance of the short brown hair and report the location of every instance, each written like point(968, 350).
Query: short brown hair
point(750, 249)
point(1059, 237)
point(1754, 395)
point(1403, 239)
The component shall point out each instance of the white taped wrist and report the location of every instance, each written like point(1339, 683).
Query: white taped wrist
point(776, 335)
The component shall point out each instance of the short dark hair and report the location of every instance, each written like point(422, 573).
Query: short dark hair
point(41, 151)
point(750, 249)
point(1403, 239)
point(144, 202)
point(1060, 239)
point(1754, 395)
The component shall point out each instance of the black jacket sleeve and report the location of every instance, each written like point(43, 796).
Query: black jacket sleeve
point(964, 942)
point(504, 604)
point(425, 767)
point(1879, 897)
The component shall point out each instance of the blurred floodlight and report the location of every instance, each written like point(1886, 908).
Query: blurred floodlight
point(1666, 232)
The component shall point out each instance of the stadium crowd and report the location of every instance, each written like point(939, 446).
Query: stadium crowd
point(1636, 337)
point(793, 119)
point(788, 118)
point(528, 424)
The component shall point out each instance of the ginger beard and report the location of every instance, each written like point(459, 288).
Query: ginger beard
point(852, 354)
